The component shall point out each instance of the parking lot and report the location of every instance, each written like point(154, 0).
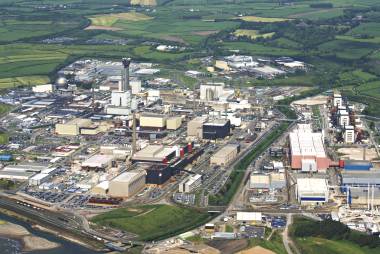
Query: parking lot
point(252, 231)
point(51, 197)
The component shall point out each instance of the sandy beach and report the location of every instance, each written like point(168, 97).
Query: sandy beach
point(29, 241)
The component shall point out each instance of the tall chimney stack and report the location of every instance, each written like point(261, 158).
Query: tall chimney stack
point(125, 78)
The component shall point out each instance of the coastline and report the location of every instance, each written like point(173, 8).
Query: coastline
point(37, 227)
point(28, 241)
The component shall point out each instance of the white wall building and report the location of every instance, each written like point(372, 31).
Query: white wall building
point(337, 99)
point(211, 91)
point(312, 190)
point(349, 134)
point(190, 184)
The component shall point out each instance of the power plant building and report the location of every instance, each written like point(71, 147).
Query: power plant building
point(127, 184)
point(158, 174)
point(307, 149)
point(217, 129)
point(155, 153)
point(225, 155)
point(211, 91)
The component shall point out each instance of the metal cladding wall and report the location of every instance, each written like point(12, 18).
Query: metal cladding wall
point(216, 131)
point(357, 165)
point(6, 157)
point(157, 175)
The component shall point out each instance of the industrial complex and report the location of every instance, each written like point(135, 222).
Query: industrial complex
point(133, 140)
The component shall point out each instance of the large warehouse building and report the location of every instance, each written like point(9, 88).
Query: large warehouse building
point(225, 155)
point(127, 184)
point(98, 162)
point(153, 121)
point(307, 149)
point(312, 191)
point(72, 127)
point(155, 153)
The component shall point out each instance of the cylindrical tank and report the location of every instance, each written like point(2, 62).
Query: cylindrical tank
point(189, 147)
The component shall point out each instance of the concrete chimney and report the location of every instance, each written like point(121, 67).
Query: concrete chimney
point(125, 77)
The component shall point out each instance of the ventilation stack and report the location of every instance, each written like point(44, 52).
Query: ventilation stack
point(125, 78)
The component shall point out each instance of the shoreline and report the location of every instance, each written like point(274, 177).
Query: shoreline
point(41, 228)
point(26, 239)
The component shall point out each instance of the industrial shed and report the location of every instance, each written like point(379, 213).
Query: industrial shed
point(98, 162)
point(312, 190)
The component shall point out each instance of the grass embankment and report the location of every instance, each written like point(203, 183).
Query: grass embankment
point(237, 174)
point(274, 244)
point(153, 222)
point(330, 237)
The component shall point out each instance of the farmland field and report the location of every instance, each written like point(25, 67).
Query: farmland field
point(262, 19)
point(253, 34)
point(371, 89)
point(111, 19)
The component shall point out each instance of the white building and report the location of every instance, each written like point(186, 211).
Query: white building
point(135, 86)
point(312, 190)
point(190, 184)
point(211, 91)
point(48, 88)
point(249, 216)
point(344, 118)
point(337, 99)
point(349, 134)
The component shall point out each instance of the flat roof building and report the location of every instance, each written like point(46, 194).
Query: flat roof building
point(127, 184)
point(312, 190)
point(216, 129)
point(307, 146)
point(72, 127)
point(98, 162)
point(225, 155)
point(155, 153)
point(189, 184)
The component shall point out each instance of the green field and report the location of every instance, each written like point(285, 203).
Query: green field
point(275, 243)
point(317, 245)
point(23, 81)
point(371, 89)
point(152, 221)
point(259, 49)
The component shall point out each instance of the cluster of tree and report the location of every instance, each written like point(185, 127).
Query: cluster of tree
point(334, 230)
